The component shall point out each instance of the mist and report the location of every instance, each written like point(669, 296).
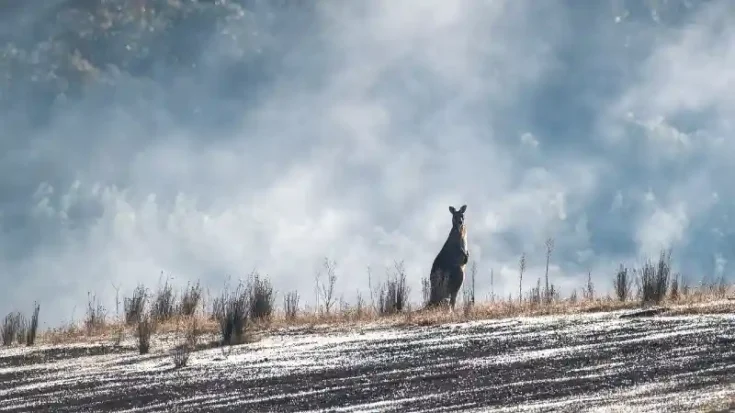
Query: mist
point(206, 140)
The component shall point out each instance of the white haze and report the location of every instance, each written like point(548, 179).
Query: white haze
point(609, 132)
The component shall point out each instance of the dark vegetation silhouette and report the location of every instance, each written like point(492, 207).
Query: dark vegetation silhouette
point(16, 327)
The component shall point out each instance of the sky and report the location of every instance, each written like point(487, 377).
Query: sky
point(345, 130)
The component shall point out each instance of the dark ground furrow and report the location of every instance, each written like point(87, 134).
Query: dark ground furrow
point(480, 367)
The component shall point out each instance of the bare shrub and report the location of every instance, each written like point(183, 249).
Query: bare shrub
point(573, 297)
point(20, 335)
point(119, 335)
point(653, 279)
point(117, 299)
point(684, 287)
point(536, 294)
point(291, 305)
point(32, 327)
point(182, 352)
point(325, 291)
point(206, 296)
point(231, 312)
point(190, 299)
point(374, 290)
point(180, 355)
point(468, 290)
point(12, 324)
point(134, 305)
point(552, 294)
point(359, 306)
point(588, 293)
point(674, 288)
point(466, 308)
point(394, 294)
point(622, 283)
point(521, 268)
point(344, 306)
point(425, 290)
point(548, 288)
point(164, 303)
point(719, 287)
point(146, 326)
point(96, 315)
point(261, 298)
point(408, 314)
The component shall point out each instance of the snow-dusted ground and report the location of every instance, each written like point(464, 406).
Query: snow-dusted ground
point(574, 363)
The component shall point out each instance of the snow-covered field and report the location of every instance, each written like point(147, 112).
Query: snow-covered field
point(576, 363)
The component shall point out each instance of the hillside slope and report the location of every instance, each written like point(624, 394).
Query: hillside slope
point(570, 363)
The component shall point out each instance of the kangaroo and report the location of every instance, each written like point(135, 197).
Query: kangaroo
point(447, 271)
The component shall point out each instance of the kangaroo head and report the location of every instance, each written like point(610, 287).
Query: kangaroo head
point(458, 216)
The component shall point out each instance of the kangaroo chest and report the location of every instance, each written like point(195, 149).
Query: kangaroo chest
point(460, 239)
point(457, 242)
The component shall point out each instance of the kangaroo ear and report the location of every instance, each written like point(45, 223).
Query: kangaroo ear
point(452, 210)
point(464, 208)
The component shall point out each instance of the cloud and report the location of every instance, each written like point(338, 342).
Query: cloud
point(661, 229)
point(346, 130)
point(676, 114)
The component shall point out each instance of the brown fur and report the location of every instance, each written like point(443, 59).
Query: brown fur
point(447, 270)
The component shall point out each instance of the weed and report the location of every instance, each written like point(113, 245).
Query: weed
point(190, 298)
point(261, 298)
point(468, 290)
point(182, 352)
point(622, 284)
point(394, 294)
point(10, 327)
point(164, 303)
point(32, 327)
point(96, 315)
point(653, 279)
point(326, 291)
point(146, 326)
point(291, 305)
point(231, 312)
point(134, 305)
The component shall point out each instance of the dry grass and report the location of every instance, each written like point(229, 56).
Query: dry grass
point(655, 285)
point(700, 301)
point(74, 333)
point(250, 307)
point(699, 304)
point(693, 304)
point(703, 307)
